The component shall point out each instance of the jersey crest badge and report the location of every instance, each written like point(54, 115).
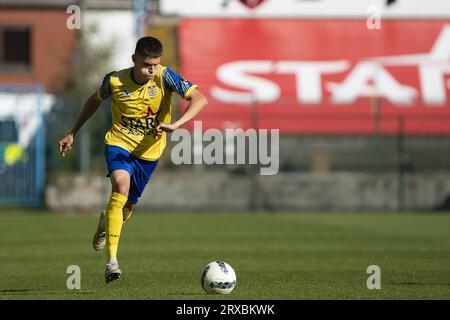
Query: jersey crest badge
point(152, 90)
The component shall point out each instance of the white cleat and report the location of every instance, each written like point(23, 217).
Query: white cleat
point(112, 273)
point(99, 240)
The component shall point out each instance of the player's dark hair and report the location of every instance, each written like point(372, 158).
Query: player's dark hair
point(149, 47)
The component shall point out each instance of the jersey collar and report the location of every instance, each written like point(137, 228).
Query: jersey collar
point(134, 80)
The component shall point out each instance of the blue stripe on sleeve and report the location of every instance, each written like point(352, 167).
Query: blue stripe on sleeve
point(105, 89)
point(175, 82)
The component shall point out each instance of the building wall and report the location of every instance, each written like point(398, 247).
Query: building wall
point(194, 190)
point(51, 46)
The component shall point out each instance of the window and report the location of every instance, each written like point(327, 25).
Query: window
point(14, 48)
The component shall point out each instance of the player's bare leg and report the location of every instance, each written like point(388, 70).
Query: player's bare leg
point(127, 211)
point(120, 182)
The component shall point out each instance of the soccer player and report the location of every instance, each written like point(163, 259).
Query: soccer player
point(141, 117)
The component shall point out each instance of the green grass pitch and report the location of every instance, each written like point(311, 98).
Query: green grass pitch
point(276, 256)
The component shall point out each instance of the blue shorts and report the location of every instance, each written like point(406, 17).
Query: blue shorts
point(140, 170)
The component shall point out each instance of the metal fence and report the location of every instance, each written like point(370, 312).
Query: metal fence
point(22, 145)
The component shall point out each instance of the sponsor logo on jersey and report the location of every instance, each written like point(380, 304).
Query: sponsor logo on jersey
point(150, 112)
point(137, 126)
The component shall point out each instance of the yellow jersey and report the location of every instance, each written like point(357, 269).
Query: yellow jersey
point(138, 108)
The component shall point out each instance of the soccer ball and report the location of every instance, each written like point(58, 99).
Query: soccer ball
point(218, 277)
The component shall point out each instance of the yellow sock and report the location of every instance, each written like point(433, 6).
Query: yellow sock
point(128, 217)
point(113, 223)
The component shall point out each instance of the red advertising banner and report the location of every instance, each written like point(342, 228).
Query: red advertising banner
point(320, 76)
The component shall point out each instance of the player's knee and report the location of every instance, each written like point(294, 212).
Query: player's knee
point(120, 182)
point(121, 188)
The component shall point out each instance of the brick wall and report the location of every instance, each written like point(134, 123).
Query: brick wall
point(51, 46)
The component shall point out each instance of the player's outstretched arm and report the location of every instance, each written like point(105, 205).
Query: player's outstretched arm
point(197, 102)
point(91, 105)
